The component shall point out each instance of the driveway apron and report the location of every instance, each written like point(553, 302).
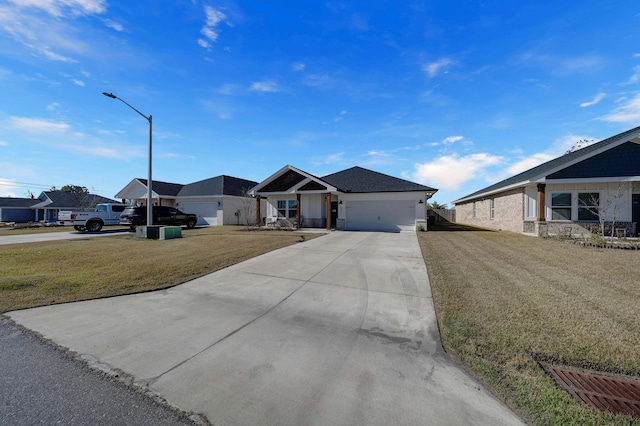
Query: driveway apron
point(339, 330)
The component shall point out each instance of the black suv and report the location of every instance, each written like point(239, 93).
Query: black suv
point(162, 215)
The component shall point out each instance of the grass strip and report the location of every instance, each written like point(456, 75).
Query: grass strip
point(506, 302)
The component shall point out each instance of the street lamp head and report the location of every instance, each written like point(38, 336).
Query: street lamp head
point(111, 95)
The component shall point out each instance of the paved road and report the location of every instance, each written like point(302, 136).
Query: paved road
point(339, 330)
point(7, 238)
point(40, 384)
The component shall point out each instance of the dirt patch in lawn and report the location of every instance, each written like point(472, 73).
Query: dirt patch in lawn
point(506, 302)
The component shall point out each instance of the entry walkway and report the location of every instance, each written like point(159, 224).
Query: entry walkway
point(339, 330)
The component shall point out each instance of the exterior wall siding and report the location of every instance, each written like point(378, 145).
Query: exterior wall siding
point(515, 210)
point(508, 211)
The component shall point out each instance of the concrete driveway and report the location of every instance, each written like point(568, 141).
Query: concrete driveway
point(339, 330)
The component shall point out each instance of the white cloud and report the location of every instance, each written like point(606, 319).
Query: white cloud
point(264, 86)
point(562, 64)
point(99, 151)
point(529, 162)
point(636, 75)
point(37, 125)
point(113, 25)
point(298, 66)
point(228, 89)
point(340, 117)
point(60, 8)
point(336, 158)
point(78, 82)
point(450, 172)
point(595, 100)
point(210, 29)
point(3, 143)
point(322, 81)
point(452, 139)
point(449, 140)
point(52, 34)
point(629, 112)
point(7, 188)
point(434, 68)
point(559, 147)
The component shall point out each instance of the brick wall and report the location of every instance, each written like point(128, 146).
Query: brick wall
point(508, 211)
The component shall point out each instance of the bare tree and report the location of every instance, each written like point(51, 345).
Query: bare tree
point(606, 208)
point(80, 195)
point(248, 208)
point(579, 145)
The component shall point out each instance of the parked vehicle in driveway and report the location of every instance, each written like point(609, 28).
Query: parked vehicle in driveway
point(162, 215)
point(104, 214)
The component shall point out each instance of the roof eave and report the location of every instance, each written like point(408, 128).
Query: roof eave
point(493, 192)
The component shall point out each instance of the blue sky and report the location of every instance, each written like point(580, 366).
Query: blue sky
point(454, 95)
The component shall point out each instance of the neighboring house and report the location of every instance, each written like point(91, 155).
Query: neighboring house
point(569, 194)
point(17, 209)
point(353, 199)
point(221, 200)
point(46, 206)
point(49, 203)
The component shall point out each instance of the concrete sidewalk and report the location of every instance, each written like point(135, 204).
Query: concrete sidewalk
point(339, 330)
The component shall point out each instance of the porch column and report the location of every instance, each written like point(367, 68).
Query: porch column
point(541, 202)
point(258, 214)
point(328, 201)
point(298, 211)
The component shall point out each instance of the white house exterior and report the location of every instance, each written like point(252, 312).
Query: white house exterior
point(570, 194)
point(353, 199)
point(217, 201)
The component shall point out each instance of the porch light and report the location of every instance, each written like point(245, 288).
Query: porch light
point(420, 202)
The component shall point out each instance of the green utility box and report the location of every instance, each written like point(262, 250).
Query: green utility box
point(170, 232)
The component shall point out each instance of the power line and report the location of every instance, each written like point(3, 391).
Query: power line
point(13, 184)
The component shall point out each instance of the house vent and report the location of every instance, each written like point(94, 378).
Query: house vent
point(601, 392)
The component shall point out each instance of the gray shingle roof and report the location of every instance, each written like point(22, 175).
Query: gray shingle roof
point(552, 165)
point(60, 199)
point(18, 202)
point(219, 185)
point(164, 188)
point(358, 179)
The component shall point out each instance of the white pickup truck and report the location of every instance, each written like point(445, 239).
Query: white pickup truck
point(104, 214)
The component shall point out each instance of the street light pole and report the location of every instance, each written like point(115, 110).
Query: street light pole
point(149, 181)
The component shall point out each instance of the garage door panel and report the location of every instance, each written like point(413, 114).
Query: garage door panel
point(207, 212)
point(381, 215)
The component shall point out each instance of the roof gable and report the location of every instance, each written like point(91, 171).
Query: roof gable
point(283, 182)
point(623, 160)
point(358, 179)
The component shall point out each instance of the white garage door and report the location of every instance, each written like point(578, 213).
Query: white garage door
point(207, 212)
point(387, 215)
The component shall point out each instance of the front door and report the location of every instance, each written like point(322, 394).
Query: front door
point(334, 214)
point(635, 211)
